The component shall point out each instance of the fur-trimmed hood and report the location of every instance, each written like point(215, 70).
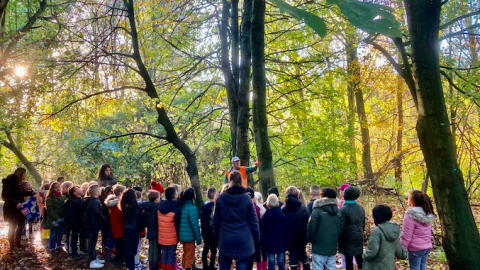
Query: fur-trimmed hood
point(328, 204)
point(419, 215)
point(111, 201)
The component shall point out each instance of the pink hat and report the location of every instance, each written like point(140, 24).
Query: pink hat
point(344, 186)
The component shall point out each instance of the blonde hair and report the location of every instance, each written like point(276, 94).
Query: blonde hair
point(292, 190)
point(84, 188)
point(118, 189)
point(272, 200)
point(301, 197)
point(258, 197)
point(178, 188)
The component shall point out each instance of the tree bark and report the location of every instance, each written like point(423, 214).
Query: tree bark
point(461, 240)
point(351, 106)
point(398, 161)
point(259, 106)
point(243, 148)
point(18, 153)
point(163, 118)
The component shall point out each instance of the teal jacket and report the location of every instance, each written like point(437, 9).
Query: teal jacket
point(189, 227)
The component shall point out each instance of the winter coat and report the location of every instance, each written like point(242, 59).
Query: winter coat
point(297, 215)
point(351, 240)
point(83, 208)
point(383, 247)
point(116, 218)
point(262, 209)
point(150, 218)
point(73, 215)
point(325, 227)
point(189, 227)
point(310, 206)
point(207, 229)
point(55, 210)
point(107, 181)
point(134, 219)
point(341, 202)
point(93, 219)
point(168, 222)
point(235, 224)
point(12, 194)
point(417, 230)
point(274, 231)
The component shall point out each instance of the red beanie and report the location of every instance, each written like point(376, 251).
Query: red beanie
point(156, 186)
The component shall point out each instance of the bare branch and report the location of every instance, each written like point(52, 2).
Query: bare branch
point(450, 81)
point(446, 25)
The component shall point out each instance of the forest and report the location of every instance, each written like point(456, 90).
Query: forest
point(381, 94)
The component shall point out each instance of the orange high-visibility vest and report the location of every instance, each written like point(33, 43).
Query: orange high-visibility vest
point(243, 172)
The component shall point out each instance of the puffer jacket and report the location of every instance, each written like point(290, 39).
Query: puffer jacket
point(235, 224)
point(189, 227)
point(274, 231)
point(93, 218)
point(297, 215)
point(116, 218)
point(383, 247)
point(417, 230)
point(12, 194)
point(325, 227)
point(168, 223)
point(351, 240)
point(55, 209)
point(73, 216)
point(150, 218)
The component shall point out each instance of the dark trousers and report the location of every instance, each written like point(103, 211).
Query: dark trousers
point(72, 240)
point(349, 262)
point(83, 239)
point(15, 229)
point(131, 238)
point(209, 245)
point(256, 257)
point(119, 250)
point(92, 239)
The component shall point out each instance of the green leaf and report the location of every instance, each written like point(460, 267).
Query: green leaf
point(313, 21)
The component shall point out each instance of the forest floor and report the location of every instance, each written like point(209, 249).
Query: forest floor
point(35, 255)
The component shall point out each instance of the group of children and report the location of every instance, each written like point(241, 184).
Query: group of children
point(326, 222)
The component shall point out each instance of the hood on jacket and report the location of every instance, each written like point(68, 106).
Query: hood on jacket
point(235, 195)
point(10, 178)
point(330, 205)
point(168, 206)
point(292, 202)
point(111, 201)
point(274, 214)
point(419, 215)
point(149, 206)
point(390, 230)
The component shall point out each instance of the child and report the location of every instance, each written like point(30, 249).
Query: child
point(93, 221)
point(42, 197)
point(416, 232)
point(168, 226)
point(342, 192)
point(383, 244)
point(84, 188)
point(314, 195)
point(28, 187)
point(107, 238)
point(55, 203)
point(351, 240)
point(297, 215)
point(117, 223)
point(138, 195)
point(259, 203)
point(156, 186)
point(132, 215)
point(274, 233)
point(273, 190)
point(72, 220)
point(324, 228)
point(65, 186)
point(150, 219)
point(189, 229)
point(207, 231)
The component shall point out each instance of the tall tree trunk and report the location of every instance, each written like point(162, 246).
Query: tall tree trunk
point(235, 44)
point(259, 106)
point(18, 153)
point(163, 119)
point(354, 84)
point(243, 148)
point(398, 161)
point(228, 76)
point(461, 240)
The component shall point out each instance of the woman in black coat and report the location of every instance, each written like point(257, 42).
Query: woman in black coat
point(105, 176)
point(297, 215)
point(235, 225)
point(13, 195)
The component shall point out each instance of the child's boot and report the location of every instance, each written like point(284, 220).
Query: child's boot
point(108, 254)
point(306, 266)
point(265, 265)
point(165, 266)
point(260, 266)
point(170, 267)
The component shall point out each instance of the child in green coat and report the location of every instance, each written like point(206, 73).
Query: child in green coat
point(55, 201)
point(189, 229)
point(383, 245)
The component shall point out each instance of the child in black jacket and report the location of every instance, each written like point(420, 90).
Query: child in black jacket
point(132, 214)
point(72, 220)
point(150, 219)
point(207, 231)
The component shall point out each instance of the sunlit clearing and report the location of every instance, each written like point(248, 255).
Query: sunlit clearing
point(20, 71)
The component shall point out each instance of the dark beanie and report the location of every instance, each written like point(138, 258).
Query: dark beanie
point(250, 192)
point(188, 194)
point(273, 190)
point(351, 193)
point(137, 188)
point(329, 193)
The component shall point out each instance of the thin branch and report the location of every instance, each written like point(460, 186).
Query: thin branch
point(461, 32)
point(450, 81)
point(446, 25)
point(121, 136)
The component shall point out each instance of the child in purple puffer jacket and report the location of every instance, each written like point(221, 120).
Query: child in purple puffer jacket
point(416, 232)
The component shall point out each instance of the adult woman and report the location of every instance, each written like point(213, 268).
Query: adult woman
point(235, 225)
point(105, 176)
point(13, 195)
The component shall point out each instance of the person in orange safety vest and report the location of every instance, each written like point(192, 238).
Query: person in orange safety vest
point(242, 169)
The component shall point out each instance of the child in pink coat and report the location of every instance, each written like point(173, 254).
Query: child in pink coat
point(416, 232)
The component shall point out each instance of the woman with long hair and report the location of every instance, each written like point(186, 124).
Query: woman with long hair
point(105, 176)
point(13, 195)
point(133, 225)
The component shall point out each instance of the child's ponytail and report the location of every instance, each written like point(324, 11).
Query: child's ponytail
point(422, 200)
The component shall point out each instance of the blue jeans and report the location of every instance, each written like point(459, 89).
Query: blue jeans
point(418, 259)
point(280, 260)
point(319, 262)
point(226, 263)
point(55, 237)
